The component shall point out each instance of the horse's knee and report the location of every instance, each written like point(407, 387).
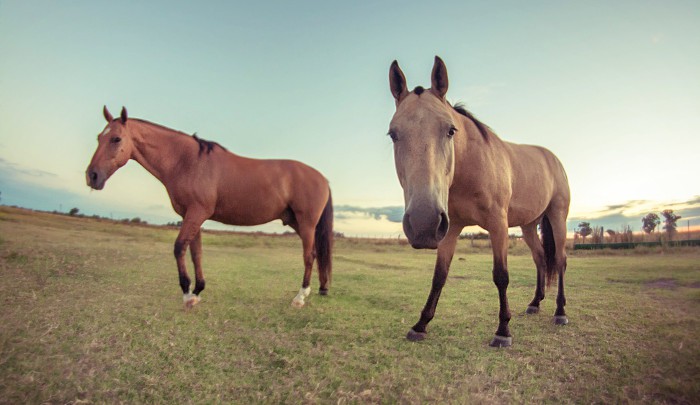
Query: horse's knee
point(180, 248)
point(309, 260)
point(500, 277)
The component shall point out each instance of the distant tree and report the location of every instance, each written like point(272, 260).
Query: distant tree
point(626, 234)
point(584, 229)
point(670, 220)
point(73, 211)
point(598, 234)
point(650, 222)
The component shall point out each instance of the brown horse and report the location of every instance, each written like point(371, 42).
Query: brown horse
point(205, 181)
point(456, 172)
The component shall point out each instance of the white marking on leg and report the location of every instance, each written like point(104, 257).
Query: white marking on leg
point(190, 299)
point(298, 301)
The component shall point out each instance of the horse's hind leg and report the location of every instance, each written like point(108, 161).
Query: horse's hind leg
point(558, 222)
point(535, 245)
point(306, 232)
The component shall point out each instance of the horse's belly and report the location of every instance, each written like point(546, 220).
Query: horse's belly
point(245, 217)
point(522, 217)
point(526, 212)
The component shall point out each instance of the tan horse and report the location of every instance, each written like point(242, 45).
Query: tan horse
point(205, 181)
point(456, 172)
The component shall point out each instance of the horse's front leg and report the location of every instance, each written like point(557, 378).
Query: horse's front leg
point(190, 235)
point(499, 244)
point(446, 250)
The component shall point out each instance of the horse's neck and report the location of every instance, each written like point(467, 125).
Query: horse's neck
point(478, 154)
point(158, 149)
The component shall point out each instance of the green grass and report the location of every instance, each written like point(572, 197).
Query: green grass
point(93, 313)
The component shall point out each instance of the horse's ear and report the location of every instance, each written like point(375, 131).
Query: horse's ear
point(107, 114)
point(439, 78)
point(397, 82)
point(124, 115)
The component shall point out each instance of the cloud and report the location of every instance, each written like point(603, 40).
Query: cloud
point(391, 213)
point(631, 212)
point(13, 170)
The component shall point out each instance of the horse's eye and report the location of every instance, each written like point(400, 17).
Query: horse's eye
point(393, 136)
point(451, 132)
point(116, 139)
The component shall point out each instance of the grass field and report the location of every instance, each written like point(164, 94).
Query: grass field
point(92, 312)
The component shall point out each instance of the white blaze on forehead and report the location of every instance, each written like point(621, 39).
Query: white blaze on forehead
point(106, 131)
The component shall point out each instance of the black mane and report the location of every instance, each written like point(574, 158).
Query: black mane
point(483, 128)
point(204, 145)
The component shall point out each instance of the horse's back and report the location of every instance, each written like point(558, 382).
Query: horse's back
point(256, 191)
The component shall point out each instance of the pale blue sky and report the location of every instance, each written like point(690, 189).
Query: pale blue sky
point(611, 87)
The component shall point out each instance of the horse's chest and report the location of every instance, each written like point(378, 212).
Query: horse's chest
point(470, 207)
point(183, 197)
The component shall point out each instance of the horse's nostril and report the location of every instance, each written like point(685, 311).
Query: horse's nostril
point(407, 228)
point(93, 176)
point(443, 226)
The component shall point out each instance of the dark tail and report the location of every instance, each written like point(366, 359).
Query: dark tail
point(324, 244)
point(549, 250)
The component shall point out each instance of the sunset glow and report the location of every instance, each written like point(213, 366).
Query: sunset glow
point(611, 88)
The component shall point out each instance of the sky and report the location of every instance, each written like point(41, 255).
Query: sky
point(612, 88)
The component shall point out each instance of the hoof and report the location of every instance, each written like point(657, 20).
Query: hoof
point(192, 301)
point(298, 301)
point(322, 291)
point(414, 336)
point(560, 320)
point(501, 341)
point(532, 310)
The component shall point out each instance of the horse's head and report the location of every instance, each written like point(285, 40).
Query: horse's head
point(114, 147)
point(423, 130)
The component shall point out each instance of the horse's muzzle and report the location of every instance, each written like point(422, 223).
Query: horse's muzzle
point(94, 179)
point(425, 230)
